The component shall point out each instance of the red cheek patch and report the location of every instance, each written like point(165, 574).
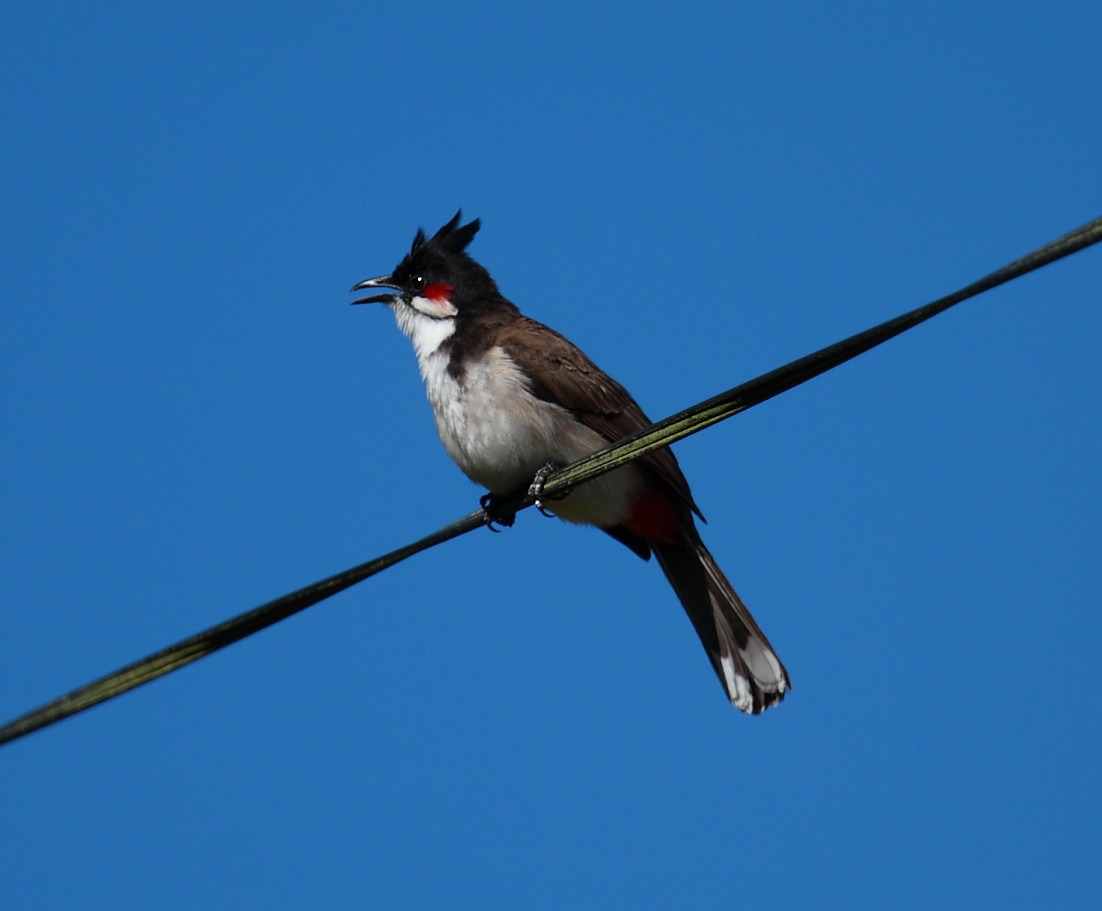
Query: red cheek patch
point(437, 291)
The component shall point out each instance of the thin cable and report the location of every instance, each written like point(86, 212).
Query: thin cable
point(663, 433)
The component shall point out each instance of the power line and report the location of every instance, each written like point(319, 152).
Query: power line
point(560, 482)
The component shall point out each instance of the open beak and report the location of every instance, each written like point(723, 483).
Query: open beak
point(384, 281)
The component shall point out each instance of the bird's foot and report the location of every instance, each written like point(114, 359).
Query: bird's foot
point(497, 511)
point(535, 490)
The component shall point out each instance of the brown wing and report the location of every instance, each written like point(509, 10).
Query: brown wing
point(571, 380)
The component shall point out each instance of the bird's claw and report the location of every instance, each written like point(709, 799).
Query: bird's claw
point(535, 490)
point(497, 512)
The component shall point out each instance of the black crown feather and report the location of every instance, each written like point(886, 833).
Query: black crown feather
point(449, 238)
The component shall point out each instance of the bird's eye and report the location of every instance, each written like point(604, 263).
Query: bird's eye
point(418, 283)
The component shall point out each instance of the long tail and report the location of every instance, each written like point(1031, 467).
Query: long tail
point(742, 657)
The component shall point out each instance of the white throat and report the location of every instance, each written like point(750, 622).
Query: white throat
point(426, 333)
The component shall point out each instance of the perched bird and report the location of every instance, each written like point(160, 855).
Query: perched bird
point(513, 398)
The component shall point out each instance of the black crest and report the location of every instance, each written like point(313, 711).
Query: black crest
point(450, 238)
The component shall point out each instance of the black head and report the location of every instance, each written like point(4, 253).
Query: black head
point(436, 277)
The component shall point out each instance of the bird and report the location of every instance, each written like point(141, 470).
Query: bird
point(513, 399)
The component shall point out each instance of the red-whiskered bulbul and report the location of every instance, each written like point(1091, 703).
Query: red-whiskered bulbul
point(512, 397)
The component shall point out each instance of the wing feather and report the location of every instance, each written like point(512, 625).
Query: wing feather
point(568, 378)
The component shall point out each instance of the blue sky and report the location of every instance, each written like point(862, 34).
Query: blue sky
point(194, 421)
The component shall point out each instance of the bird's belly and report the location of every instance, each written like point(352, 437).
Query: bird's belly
point(500, 435)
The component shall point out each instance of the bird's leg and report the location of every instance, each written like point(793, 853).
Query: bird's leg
point(497, 511)
point(535, 491)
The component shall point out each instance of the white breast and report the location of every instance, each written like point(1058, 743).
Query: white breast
point(500, 434)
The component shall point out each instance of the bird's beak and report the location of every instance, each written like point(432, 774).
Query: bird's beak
point(384, 281)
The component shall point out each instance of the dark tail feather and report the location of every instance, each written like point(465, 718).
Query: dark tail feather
point(742, 657)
